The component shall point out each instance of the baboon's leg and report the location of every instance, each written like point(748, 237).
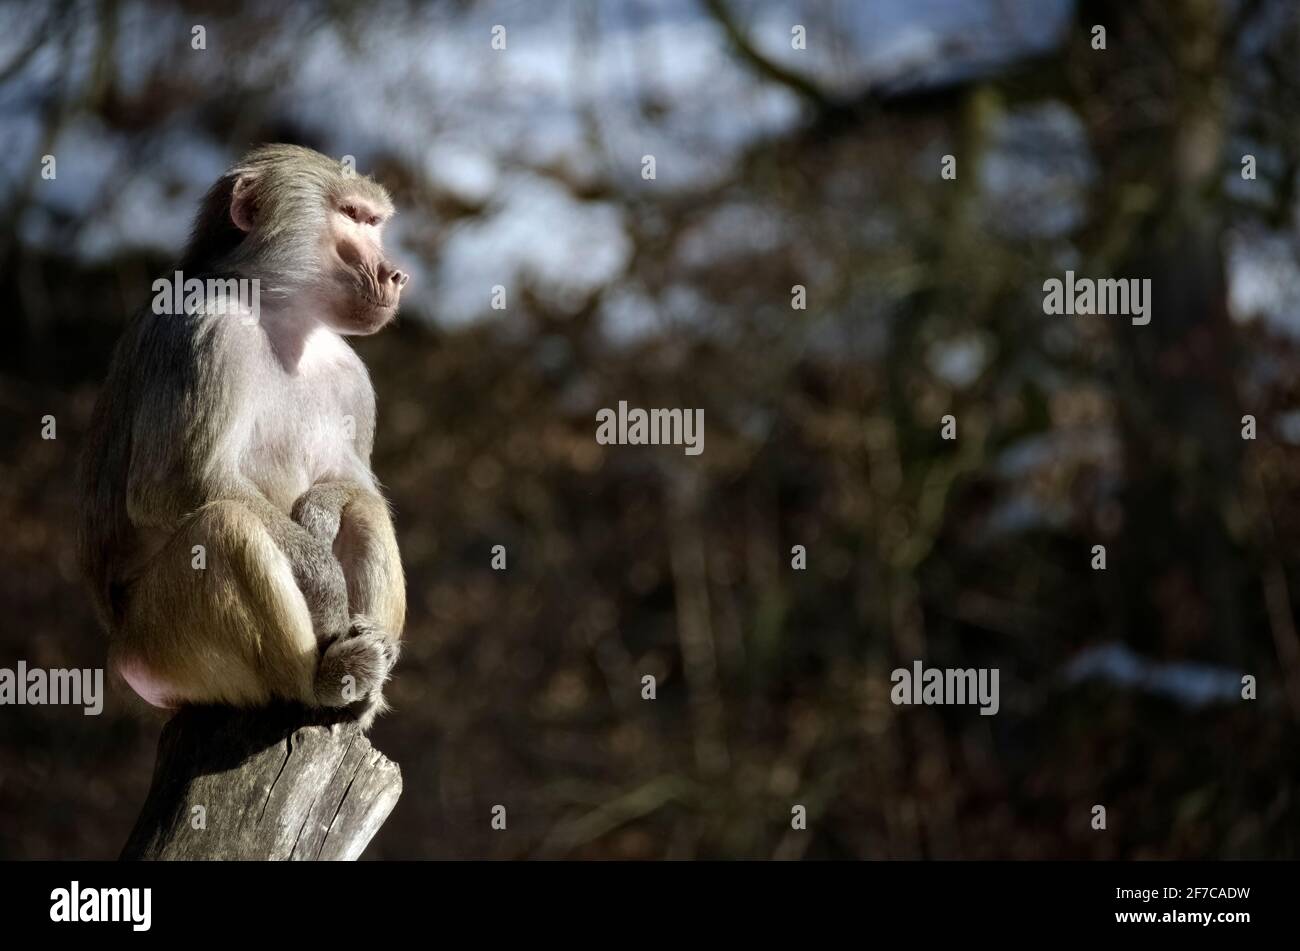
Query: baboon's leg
point(357, 521)
point(366, 547)
point(235, 630)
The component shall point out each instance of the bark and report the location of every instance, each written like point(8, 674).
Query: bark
point(277, 783)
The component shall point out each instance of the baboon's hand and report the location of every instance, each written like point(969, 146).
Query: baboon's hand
point(363, 626)
point(353, 668)
point(320, 509)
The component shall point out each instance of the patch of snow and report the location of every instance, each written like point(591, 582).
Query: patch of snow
point(536, 234)
point(1189, 683)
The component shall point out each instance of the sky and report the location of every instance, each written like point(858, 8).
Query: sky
point(524, 136)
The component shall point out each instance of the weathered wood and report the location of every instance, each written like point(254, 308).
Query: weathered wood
point(279, 783)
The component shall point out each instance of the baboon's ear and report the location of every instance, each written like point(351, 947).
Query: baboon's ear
point(243, 203)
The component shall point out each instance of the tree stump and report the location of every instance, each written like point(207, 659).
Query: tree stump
point(276, 783)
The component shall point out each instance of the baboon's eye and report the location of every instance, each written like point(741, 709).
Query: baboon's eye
point(373, 220)
point(351, 212)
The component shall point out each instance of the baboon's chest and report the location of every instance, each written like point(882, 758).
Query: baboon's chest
point(310, 426)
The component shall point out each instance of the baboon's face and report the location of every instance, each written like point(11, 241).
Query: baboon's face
point(363, 286)
point(304, 223)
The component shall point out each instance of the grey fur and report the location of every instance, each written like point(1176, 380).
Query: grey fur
point(220, 431)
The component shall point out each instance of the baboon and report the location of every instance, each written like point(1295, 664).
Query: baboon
point(231, 528)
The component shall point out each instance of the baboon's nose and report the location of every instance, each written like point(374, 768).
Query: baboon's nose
point(390, 275)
